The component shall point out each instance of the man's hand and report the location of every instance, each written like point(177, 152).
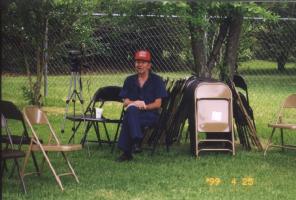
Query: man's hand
point(140, 104)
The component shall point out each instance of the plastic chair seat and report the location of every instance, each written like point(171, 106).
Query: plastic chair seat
point(58, 148)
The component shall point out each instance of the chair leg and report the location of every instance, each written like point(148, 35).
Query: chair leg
point(98, 134)
point(70, 167)
point(232, 143)
point(5, 165)
point(12, 171)
point(83, 139)
point(115, 138)
point(187, 135)
point(196, 145)
point(269, 141)
point(282, 139)
point(154, 144)
point(42, 164)
point(2, 169)
point(26, 161)
point(97, 130)
point(36, 164)
point(53, 171)
point(107, 133)
point(20, 176)
point(74, 132)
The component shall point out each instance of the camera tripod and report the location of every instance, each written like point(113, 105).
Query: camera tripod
point(73, 94)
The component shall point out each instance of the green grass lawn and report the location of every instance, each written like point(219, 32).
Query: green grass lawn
point(167, 175)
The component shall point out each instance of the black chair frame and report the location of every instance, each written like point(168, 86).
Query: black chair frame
point(102, 96)
point(10, 152)
point(11, 112)
point(240, 82)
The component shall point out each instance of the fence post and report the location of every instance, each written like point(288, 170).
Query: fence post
point(46, 59)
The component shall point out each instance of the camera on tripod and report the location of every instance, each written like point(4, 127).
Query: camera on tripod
point(75, 86)
point(75, 58)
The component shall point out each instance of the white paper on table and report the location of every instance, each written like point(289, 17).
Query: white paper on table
point(216, 116)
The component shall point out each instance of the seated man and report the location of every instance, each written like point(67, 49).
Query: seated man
point(142, 94)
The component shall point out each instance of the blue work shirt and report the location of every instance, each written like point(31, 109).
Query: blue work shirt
point(152, 89)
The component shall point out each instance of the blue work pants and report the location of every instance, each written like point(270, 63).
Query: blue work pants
point(134, 120)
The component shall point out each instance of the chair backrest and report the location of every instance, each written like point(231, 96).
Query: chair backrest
point(103, 95)
point(290, 101)
point(35, 116)
point(3, 121)
point(240, 82)
point(108, 93)
point(11, 111)
point(5, 129)
point(286, 115)
point(213, 107)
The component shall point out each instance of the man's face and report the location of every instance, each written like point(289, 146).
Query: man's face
point(142, 67)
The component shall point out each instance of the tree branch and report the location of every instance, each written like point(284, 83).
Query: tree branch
point(218, 43)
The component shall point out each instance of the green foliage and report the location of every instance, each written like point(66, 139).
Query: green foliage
point(28, 95)
point(30, 23)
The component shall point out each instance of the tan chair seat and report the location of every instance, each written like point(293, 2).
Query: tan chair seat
point(288, 126)
point(54, 147)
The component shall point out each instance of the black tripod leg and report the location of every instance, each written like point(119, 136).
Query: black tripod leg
point(74, 132)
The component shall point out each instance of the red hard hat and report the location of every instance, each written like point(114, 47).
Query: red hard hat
point(143, 55)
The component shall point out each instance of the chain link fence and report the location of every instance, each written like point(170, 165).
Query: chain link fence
point(267, 58)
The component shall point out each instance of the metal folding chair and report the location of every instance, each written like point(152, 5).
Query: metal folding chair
point(103, 96)
point(102, 99)
point(35, 116)
point(10, 152)
point(213, 115)
point(12, 114)
point(240, 82)
point(286, 119)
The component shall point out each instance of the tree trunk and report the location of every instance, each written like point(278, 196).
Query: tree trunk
point(199, 51)
point(281, 62)
point(198, 38)
point(218, 43)
point(28, 71)
point(39, 71)
point(232, 45)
